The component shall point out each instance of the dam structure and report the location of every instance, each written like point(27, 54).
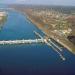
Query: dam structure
point(48, 42)
point(29, 41)
point(24, 41)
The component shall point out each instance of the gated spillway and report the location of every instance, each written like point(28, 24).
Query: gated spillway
point(22, 41)
point(48, 42)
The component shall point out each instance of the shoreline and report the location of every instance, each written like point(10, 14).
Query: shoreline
point(64, 42)
point(71, 49)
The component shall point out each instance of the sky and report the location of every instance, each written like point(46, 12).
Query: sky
point(40, 2)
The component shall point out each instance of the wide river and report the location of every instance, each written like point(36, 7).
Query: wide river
point(34, 59)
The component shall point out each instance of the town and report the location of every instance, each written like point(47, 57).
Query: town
point(57, 23)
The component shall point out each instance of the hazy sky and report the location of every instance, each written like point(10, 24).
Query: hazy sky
point(49, 2)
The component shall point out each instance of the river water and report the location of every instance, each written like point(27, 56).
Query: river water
point(35, 59)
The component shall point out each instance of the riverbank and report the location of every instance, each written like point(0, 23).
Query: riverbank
point(60, 39)
point(64, 42)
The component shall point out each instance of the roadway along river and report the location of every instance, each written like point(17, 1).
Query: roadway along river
point(32, 59)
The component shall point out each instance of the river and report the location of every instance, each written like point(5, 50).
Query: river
point(34, 59)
